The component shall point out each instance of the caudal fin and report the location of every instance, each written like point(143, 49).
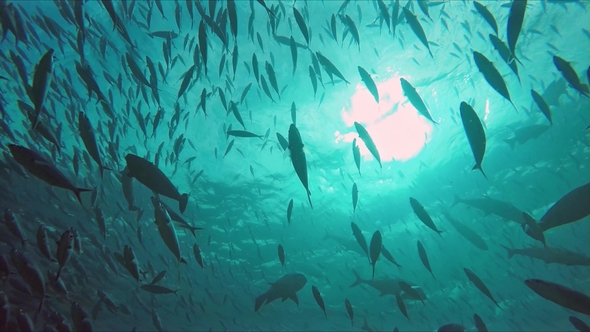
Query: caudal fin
point(183, 202)
point(259, 301)
point(77, 192)
point(358, 280)
point(478, 166)
point(511, 142)
point(509, 251)
point(456, 200)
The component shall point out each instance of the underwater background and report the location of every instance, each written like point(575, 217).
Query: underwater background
point(213, 95)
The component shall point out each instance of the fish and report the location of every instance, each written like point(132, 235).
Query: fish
point(369, 83)
point(551, 255)
point(415, 99)
point(375, 249)
point(301, 23)
point(166, 228)
point(130, 262)
point(293, 47)
point(41, 168)
point(152, 177)
point(30, 273)
point(388, 256)
point(203, 44)
point(487, 15)
point(89, 139)
point(197, 253)
point(504, 51)
point(281, 252)
point(14, 227)
point(135, 70)
point(41, 82)
point(417, 28)
point(466, 232)
point(364, 135)
point(64, 251)
point(579, 324)
point(532, 229)
point(329, 67)
point(423, 215)
point(524, 134)
point(401, 305)
point(43, 244)
point(568, 209)
point(424, 258)
point(492, 76)
point(479, 324)
point(480, 285)
point(127, 184)
point(475, 134)
point(155, 289)
point(451, 327)
point(570, 75)
point(289, 211)
point(357, 155)
point(515, 20)
point(298, 158)
point(561, 295)
point(158, 277)
point(355, 196)
point(542, 105)
point(360, 238)
point(319, 300)
point(243, 133)
point(349, 311)
point(284, 288)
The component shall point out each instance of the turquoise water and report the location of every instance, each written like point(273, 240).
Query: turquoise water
point(241, 197)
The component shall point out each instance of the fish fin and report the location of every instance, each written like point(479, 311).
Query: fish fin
point(478, 166)
point(259, 301)
point(77, 192)
point(456, 200)
point(183, 202)
point(358, 280)
point(511, 142)
point(102, 168)
point(509, 251)
point(294, 298)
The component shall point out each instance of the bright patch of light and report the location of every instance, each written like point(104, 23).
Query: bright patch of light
point(485, 117)
point(398, 130)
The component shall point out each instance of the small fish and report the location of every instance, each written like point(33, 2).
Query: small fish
point(375, 249)
point(318, 299)
point(42, 242)
point(487, 15)
point(423, 215)
point(13, 225)
point(475, 134)
point(360, 238)
point(417, 28)
point(424, 258)
point(155, 289)
point(298, 158)
point(479, 324)
point(355, 196)
point(369, 83)
point(64, 251)
point(301, 24)
point(415, 99)
point(542, 105)
point(570, 75)
point(492, 76)
point(243, 133)
point(41, 83)
point(515, 19)
point(281, 252)
point(349, 311)
point(364, 135)
point(197, 253)
point(480, 285)
point(289, 211)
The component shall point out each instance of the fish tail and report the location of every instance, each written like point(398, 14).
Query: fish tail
point(183, 202)
point(509, 251)
point(58, 274)
point(259, 301)
point(511, 142)
point(456, 201)
point(309, 199)
point(478, 166)
point(358, 280)
point(102, 168)
point(77, 192)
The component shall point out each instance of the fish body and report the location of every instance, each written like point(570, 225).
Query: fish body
point(542, 105)
point(349, 311)
point(375, 249)
point(475, 134)
point(417, 28)
point(281, 253)
point(153, 178)
point(423, 215)
point(572, 207)
point(466, 232)
point(492, 75)
point(130, 262)
point(562, 295)
point(42, 242)
point(360, 238)
point(41, 82)
point(298, 158)
point(570, 75)
point(355, 196)
point(41, 168)
point(369, 83)
point(415, 99)
point(30, 273)
point(284, 288)
point(14, 227)
point(166, 228)
point(424, 258)
point(89, 139)
point(480, 285)
point(489, 205)
point(318, 299)
point(197, 253)
point(515, 19)
point(289, 211)
point(64, 251)
point(357, 155)
point(525, 134)
point(127, 184)
point(551, 255)
point(487, 15)
point(364, 135)
point(156, 289)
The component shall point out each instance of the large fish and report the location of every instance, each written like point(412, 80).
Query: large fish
point(551, 255)
point(298, 158)
point(41, 82)
point(388, 287)
point(568, 209)
point(475, 134)
point(562, 295)
point(153, 178)
point(423, 215)
point(284, 288)
point(364, 135)
point(524, 134)
point(89, 139)
point(492, 76)
point(480, 285)
point(41, 168)
point(415, 99)
point(489, 205)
